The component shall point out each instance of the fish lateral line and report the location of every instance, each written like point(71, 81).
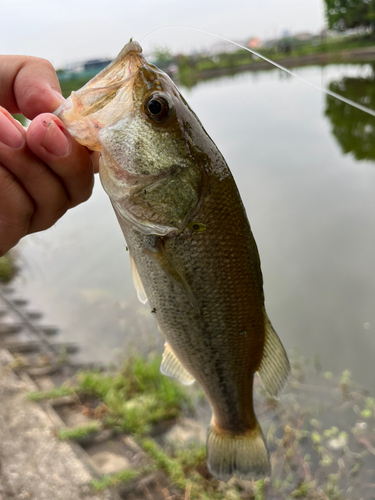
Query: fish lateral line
point(351, 103)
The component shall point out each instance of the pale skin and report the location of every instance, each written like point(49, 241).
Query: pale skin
point(43, 171)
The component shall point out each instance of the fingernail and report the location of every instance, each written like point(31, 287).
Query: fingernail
point(10, 135)
point(55, 141)
point(59, 99)
point(59, 96)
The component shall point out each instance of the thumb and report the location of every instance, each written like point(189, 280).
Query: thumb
point(28, 85)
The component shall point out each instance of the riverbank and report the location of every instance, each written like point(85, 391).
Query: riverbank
point(192, 69)
point(191, 76)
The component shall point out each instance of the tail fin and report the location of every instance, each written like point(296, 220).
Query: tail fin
point(243, 455)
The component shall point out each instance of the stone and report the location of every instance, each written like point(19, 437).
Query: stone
point(186, 432)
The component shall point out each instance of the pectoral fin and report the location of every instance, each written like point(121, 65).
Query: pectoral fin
point(274, 367)
point(172, 367)
point(171, 270)
point(137, 282)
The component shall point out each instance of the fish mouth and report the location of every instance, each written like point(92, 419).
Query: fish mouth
point(104, 100)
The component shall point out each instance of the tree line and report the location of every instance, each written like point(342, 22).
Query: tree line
point(343, 15)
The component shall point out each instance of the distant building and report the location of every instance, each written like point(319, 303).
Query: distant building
point(222, 47)
point(270, 44)
point(254, 43)
point(303, 37)
point(85, 69)
point(96, 65)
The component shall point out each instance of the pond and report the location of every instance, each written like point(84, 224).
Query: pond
point(304, 166)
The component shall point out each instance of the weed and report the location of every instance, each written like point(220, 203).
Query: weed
point(139, 396)
point(162, 461)
point(58, 392)
point(121, 477)
point(191, 457)
point(78, 433)
point(321, 437)
point(302, 492)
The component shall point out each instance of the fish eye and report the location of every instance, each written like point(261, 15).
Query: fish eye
point(157, 108)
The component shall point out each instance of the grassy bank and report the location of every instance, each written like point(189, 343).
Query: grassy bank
point(67, 86)
point(321, 433)
point(194, 68)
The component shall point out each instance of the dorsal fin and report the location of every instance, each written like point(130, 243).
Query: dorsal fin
point(274, 367)
point(172, 367)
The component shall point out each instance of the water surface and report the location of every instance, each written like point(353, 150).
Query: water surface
point(310, 200)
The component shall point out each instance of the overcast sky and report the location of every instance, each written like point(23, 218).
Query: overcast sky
point(66, 31)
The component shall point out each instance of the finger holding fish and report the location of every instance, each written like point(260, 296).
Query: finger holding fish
point(50, 141)
point(35, 163)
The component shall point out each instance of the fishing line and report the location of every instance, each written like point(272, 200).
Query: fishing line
point(321, 89)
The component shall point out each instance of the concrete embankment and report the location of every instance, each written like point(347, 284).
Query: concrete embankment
point(34, 463)
point(55, 441)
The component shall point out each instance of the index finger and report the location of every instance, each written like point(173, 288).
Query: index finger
point(28, 85)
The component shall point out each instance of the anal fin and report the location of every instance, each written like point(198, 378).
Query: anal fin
point(172, 367)
point(274, 368)
point(137, 282)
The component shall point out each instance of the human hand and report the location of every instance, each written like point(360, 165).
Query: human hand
point(43, 171)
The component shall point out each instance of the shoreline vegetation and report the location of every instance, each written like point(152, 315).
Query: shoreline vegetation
point(320, 434)
point(188, 70)
point(191, 69)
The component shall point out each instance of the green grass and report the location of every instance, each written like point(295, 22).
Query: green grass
point(67, 86)
point(8, 268)
point(181, 469)
point(137, 397)
point(194, 68)
point(170, 465)
point(321, 434)
point(191, 457)
point(175, 468)
point(121, 477)
point(58, 392)
point(78, 433)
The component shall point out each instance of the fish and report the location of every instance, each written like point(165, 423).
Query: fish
point(192, 251)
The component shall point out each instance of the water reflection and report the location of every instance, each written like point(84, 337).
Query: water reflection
point(353, 129)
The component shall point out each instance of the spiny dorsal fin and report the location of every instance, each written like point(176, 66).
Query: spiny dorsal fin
point(137, 282)
point(274, 367)
point(172, 367)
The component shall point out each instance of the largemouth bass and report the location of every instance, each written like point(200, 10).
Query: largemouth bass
point(192, 251)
